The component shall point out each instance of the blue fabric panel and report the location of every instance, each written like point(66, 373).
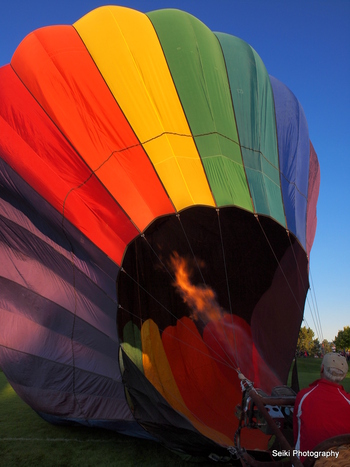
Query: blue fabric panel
point(294, 150)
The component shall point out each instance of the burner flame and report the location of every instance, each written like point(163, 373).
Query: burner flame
point(201, 299)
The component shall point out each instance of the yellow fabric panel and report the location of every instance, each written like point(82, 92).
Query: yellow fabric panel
point(126, 49)
point(180, 174)
point(158, 372)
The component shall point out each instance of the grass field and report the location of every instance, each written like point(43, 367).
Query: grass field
point(309, 370)
point(27, 440)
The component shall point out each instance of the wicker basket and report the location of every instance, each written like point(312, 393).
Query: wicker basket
point(339, 444)
point(343, 459)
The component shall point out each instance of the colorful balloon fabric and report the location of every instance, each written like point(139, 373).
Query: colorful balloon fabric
point(158, 208)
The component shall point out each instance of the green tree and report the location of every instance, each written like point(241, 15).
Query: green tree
point(326, 346)
point(342, 340)
point(316, 348)
point(305, 340)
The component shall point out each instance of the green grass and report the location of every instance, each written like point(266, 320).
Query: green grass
point(309, 370)
point(27, 440)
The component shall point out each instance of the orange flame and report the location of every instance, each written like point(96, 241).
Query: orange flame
point(229, 336)
point(201, 299)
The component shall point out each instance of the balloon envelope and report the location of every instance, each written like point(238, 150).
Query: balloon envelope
point(158, 208)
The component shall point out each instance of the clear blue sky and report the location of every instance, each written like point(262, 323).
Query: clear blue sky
point(305, 44)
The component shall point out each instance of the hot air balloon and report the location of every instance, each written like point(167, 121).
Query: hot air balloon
point(158, 208)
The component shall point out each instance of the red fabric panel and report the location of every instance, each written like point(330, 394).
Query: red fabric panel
point(210, 389)
point(55, 66)
point(230, 338)
point(32, 145)
point(313, 191)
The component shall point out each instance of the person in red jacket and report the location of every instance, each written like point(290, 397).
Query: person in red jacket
point(322, 410)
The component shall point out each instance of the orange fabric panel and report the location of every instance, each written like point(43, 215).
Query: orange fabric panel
point(57, 69)
point(51, 166)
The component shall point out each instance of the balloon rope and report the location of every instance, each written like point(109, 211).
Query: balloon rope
point(220, 358)
point(279, 264)
point(316, 320)
point(190, 247)
point(235, 365)
point(158, 257)
point(169, 394)
point(296, 262)
point(314, 302)
point(228, 288)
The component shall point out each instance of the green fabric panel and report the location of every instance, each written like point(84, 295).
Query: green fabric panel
point(132, 344)
point(196, 63)
point(253, 102)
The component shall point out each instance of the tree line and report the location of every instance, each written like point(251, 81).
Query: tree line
point(308, 345)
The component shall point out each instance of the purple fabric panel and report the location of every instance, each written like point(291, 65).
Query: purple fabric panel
point(42, 269)
point(314, 188)
point(46, 257)
point(93, 397)
point(25, 314)
point(58, 306)
point(27, 337)
point(293, 148)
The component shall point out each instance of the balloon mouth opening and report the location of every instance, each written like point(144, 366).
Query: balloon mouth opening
point(226, 260)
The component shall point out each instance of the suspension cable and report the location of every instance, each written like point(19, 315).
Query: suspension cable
point(228, 288)
point(316, 321)
point(316, 305)
point(204, 282)
point(279, 264)
point(161, 330)
point(234, 366)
